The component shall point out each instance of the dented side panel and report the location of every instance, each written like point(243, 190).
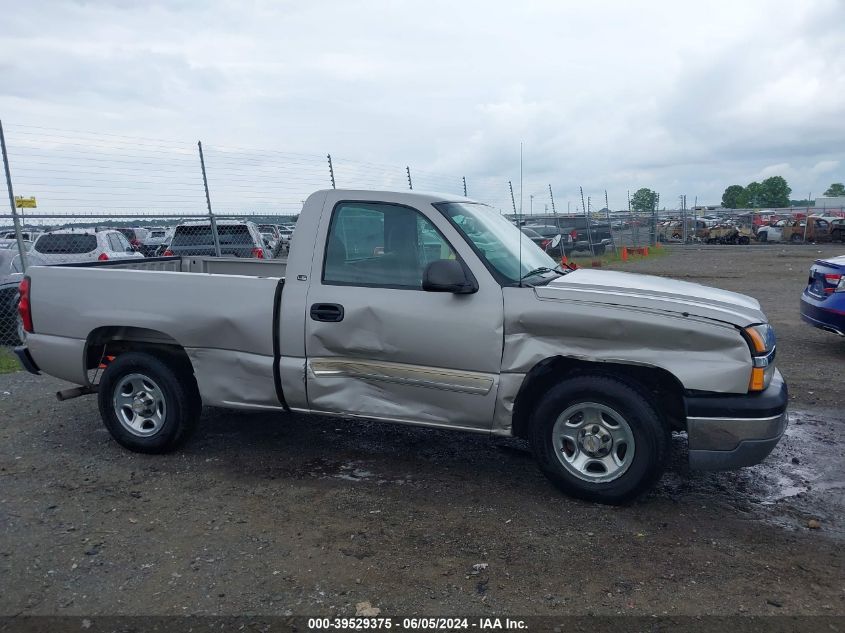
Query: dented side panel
point(701, 353)
point(228, 378)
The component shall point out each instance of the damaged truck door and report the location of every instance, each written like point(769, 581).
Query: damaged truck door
point(380, 342)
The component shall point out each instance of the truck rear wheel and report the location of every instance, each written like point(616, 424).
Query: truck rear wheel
point(147, 405)
point(597, 438)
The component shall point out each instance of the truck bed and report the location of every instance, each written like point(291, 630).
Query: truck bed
point(207, 265)
point(221, 311)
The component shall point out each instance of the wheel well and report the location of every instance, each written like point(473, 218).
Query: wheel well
point(657, 384)
point(118, 339)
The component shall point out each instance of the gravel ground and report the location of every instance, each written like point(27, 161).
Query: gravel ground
point(266, 514)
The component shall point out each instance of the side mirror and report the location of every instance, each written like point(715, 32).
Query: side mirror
point(448, 275)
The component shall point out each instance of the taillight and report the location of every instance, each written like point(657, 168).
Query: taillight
point(834, 280)
point(168, 253)
point(23, 305)
point(545, 244)
point(258, 253)
point(573, 234)
point(135, 243)
point(103, 257)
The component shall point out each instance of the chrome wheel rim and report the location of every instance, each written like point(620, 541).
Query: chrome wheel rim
point(139, 405)
point(593, 442)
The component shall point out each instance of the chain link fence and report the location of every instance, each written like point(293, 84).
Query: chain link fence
point(82, 197)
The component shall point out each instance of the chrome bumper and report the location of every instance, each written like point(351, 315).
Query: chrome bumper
point(725, 443)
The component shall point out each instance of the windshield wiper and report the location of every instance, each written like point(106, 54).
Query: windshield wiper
point(537, 271)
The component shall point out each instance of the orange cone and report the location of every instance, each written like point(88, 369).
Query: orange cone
point(645, 251)
point(624, 253)
point(563, 261)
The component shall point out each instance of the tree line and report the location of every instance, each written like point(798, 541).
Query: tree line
point(772, 192)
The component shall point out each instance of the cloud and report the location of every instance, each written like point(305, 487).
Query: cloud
point(679, 97)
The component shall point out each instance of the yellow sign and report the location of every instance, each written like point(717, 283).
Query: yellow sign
point(25, 203)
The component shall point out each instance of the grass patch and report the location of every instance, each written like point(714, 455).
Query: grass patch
point(583, 260)
point(8, 361)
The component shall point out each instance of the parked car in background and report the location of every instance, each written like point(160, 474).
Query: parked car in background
point(271, 235)
point(283, 245)
point(29, 236)
point(597, 238)
point(837, 230)
point(136, 236)
point(237, 238)
point(157, 239)
point(12, 244)
point(823, 300)
point(534, 236)
point(65, 246)
point(11, 332)
point(552, 240)
point(797, 230)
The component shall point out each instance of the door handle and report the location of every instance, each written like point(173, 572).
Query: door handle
point(328, 312)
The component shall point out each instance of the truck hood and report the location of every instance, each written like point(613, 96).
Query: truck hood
point(654, 293)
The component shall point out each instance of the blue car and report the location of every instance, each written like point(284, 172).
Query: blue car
point(823, 301)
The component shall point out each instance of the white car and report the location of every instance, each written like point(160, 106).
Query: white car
point(66, 246)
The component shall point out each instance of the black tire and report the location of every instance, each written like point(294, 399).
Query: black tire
point(178, 390)
point(795, 238)
point(599, 249)
point(763, 236)
point(651, 437)
point(744, 240)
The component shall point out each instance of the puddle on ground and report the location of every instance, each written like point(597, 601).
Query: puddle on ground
point(802, 479)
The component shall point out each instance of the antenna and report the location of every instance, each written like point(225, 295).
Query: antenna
point(521, 217)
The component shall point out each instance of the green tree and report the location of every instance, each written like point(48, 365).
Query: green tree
point(752, 196)
point(774, 192)
point(643, 200)
point(732, 197)
point(835, 190)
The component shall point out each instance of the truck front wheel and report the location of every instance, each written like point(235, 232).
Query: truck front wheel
point(147, 405)
point(597, 438)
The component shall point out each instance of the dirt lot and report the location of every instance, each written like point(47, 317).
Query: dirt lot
point(265, 514)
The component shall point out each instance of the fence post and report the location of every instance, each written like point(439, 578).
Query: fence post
point(331, 169)
point(410, 184)
point(587, 223)
point(21, 249)
point(655, 214)
point(513, 201)
point(607, 216)
point(211, 219)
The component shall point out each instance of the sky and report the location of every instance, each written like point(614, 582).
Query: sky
point(681, 97)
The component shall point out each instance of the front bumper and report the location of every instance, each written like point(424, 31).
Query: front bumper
point(731, 430)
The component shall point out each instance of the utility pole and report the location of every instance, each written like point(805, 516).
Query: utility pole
point(21, 249)
point(552, 197)
point(408, 171)
point(464, 178)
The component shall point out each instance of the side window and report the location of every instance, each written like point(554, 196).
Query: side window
point(114, 243)
point(123, 244)
point(376, 244)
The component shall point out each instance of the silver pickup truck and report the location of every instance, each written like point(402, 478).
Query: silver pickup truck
point(419, 309)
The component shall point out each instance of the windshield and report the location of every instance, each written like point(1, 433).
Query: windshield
point(496, 240)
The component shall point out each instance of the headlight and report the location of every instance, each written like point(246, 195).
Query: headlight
point(761, 341)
